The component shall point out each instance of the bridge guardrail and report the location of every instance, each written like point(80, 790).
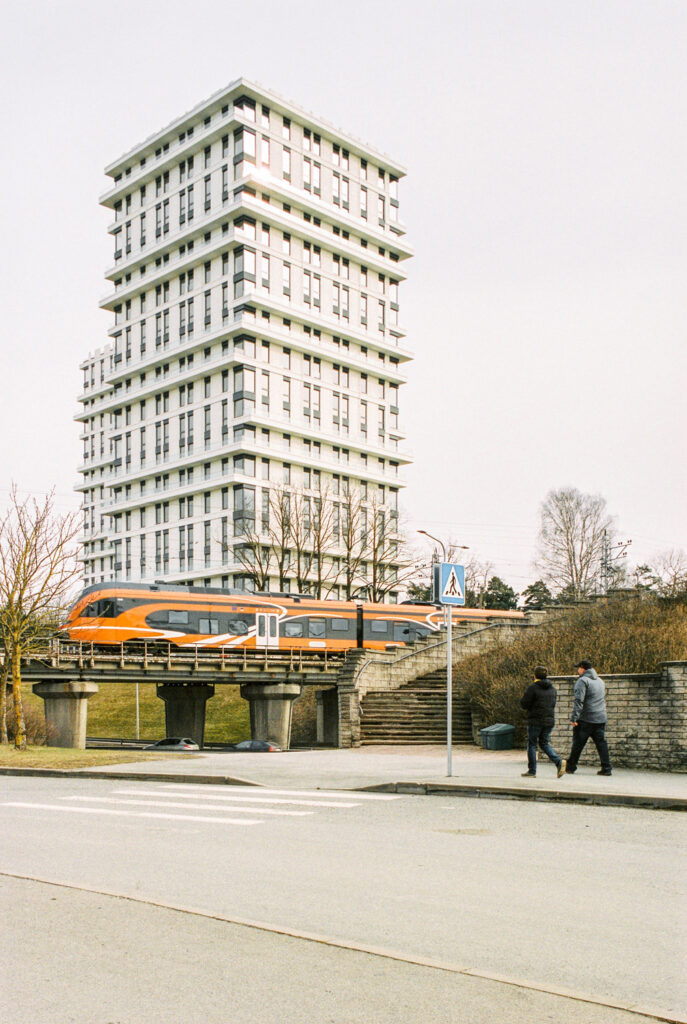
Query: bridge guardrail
point(142, 653)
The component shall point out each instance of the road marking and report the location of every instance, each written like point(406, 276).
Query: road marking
point(330, 794)
point(239, 798)
point(167, 803)
point(130, 814)
point(357, 947)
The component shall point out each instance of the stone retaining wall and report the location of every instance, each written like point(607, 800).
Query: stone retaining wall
point(647, 719)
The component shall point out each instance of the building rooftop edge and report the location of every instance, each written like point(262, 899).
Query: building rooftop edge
point(325, 127)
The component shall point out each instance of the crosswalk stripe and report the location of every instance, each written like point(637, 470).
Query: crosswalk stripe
point(329, 794)
point(167, 803)
point(131, 814)
point(238, 798)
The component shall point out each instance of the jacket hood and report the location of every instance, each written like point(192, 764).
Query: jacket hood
point(545, 684)
point(590, 673)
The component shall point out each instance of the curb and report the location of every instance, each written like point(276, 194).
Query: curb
point(658, 803)
point(89, 773)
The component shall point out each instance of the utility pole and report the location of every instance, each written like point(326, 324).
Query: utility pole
point(610, 553)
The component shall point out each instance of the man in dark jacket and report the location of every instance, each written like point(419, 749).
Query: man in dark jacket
point(589, 717)
point(539, 701)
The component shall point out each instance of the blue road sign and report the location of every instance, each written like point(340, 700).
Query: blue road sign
point(451, 583)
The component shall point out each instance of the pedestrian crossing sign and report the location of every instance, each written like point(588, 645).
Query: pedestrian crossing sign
point(451, 583)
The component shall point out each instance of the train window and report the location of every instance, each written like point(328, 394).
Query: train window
point(379, 625)
point(105, 608)
point(237, 626)
point(339, 625)
point(177, 617)
point(317, 627)
point(293, 629)
point(402, 631)
point(210, 626)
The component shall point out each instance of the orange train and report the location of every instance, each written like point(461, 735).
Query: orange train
point(113, 613)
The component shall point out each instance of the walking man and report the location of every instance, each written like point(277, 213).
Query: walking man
point(539, 701)
point(589, 717)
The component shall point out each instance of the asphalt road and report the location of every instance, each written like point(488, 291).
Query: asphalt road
point(549, 897)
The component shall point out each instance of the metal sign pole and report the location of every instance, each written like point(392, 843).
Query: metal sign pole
point(449, 694)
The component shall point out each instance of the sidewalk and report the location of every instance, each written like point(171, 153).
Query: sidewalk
point(415, 769)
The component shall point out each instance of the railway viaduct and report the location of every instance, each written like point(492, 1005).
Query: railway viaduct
point(66, 674)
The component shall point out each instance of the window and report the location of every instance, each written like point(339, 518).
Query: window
point(265, 151)
point(209, 626)
point(316, 627)
point(286, 164)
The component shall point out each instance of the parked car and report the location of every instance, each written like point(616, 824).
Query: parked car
point(253, 746)
point(173, 743)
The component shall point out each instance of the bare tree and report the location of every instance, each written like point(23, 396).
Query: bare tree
point(280, 532)
point(38, 567)
point(255, 557)
point(390, 560)
point(571, 538)
point(301, 539)
point(323, 542)
point(477, 573)
point(669, 571)
point(350, 533)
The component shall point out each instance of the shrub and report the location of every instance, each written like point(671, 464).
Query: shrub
point(34, 720)
point(622, 634)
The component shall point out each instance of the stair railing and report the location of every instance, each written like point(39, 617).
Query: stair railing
point(456, 640)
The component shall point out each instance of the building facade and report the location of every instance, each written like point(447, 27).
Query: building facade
point(241, 425)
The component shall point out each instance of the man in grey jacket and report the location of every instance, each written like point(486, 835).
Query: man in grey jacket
point(589, 718)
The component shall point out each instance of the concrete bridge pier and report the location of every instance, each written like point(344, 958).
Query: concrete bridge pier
point(66, 711)
point(185, 709)
point(270, 710)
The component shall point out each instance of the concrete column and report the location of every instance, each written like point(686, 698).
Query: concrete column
point(327, 717)
point(185, 709)
point(65, 711)
point(270, 710)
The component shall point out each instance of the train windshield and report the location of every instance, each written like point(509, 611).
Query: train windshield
point(105, 608)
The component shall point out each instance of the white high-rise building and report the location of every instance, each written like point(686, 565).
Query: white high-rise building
point(249, 388)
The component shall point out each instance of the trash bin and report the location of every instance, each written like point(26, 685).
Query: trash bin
point(498, 737)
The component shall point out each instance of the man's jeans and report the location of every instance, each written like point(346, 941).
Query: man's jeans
point(539, 734)
point(581, 733)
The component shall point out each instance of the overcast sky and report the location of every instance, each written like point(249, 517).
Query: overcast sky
point(545, 200)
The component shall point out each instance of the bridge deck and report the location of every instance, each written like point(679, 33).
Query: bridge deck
point(134, 661)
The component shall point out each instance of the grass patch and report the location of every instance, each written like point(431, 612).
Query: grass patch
point(62, 757)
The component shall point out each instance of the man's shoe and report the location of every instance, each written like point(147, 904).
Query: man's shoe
point(569, 770)
point(529, 775)
point(562, 766)
point(605, 771)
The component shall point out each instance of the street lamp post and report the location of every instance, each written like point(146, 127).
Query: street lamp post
point(449, 662)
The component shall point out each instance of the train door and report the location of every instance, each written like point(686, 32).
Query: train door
point(266, 629)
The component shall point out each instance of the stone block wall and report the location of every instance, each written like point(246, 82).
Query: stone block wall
point(647, 719)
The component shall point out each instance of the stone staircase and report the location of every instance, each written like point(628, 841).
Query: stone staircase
point(414, 713)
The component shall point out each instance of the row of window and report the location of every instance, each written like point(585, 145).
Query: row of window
point(247, 108)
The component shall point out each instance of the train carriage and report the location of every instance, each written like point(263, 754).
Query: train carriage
point(114, 613)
